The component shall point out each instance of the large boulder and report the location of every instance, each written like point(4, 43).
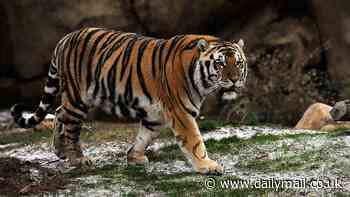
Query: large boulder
point(315, 117)
point(29, 31)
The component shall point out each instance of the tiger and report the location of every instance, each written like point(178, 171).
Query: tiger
point(159, 82)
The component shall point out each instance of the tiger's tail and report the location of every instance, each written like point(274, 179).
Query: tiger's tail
point(51, 89)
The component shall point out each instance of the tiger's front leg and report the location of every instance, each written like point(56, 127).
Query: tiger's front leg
point(192, 145)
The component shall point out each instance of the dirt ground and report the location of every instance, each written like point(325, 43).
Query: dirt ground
point(24, 177)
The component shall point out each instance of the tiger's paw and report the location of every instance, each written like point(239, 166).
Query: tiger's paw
point(136, 157)
point(209, 167)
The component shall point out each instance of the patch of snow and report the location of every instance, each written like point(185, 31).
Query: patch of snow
point(336, 152)
point(5, 116)
point(7, 146)
point(168, 168)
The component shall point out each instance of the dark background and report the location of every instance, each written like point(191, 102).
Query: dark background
point(298, 50)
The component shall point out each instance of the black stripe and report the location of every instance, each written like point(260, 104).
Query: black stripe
point(97, 73)
point(104, 91)
point(117, 44)
point(191, 112)
point(203, 77)
point(71, 52)
point(210, 50)
point(51, 82)
point(208, 70)
point(69, 121)
point(191, 76)
point(128, 88)
point(74, 114)
point(160, 54)
point(141, 50)
point(78, 105)
point(82, 53)
point(179, 119)
point(61, 42)
point(109, 40)
point(52, 70)
point(74, 139)
point(112, 82)
point(173, 44)
point(189, 96)
point(191, 45)
point(174, 41)
point(126, 57)
point(47, 98)
point(104, 57)
point(41, 113)
point(155, 50)
point(76, 57)
point(92, 57)
point(185, 86)
point(21, 122)
point(140, 112)
point(32, 121)
point(65, 47)
point(75, 130)
point(124, 110)
point(72, 85)
point(150, 123)
point(177, 41)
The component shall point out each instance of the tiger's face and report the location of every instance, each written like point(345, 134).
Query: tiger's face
point(222, 64)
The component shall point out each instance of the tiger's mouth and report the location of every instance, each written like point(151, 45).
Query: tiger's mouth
point(232, 85)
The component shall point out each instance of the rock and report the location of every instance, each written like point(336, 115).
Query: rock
point(336, 126)
point(36, 27)
point(340, 110)
point(315, 117)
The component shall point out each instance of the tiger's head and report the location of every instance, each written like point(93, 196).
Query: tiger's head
point(222, 65)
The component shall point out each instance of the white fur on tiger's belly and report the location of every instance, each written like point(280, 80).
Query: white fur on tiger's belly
point(229, 96)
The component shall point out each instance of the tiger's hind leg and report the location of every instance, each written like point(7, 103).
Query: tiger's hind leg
point(66, 141)
point(148, 131)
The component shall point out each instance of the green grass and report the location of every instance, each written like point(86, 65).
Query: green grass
point(169, 153)
point(205, 125)
point(284, 164)
point(185, 184)
point(192, 184)
point(234, 144)
point(23, 138)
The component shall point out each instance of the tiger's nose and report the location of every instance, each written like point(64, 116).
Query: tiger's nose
point(235, 78)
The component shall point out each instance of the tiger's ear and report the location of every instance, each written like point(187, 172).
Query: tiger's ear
point(202, 45)
point(240, 43)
